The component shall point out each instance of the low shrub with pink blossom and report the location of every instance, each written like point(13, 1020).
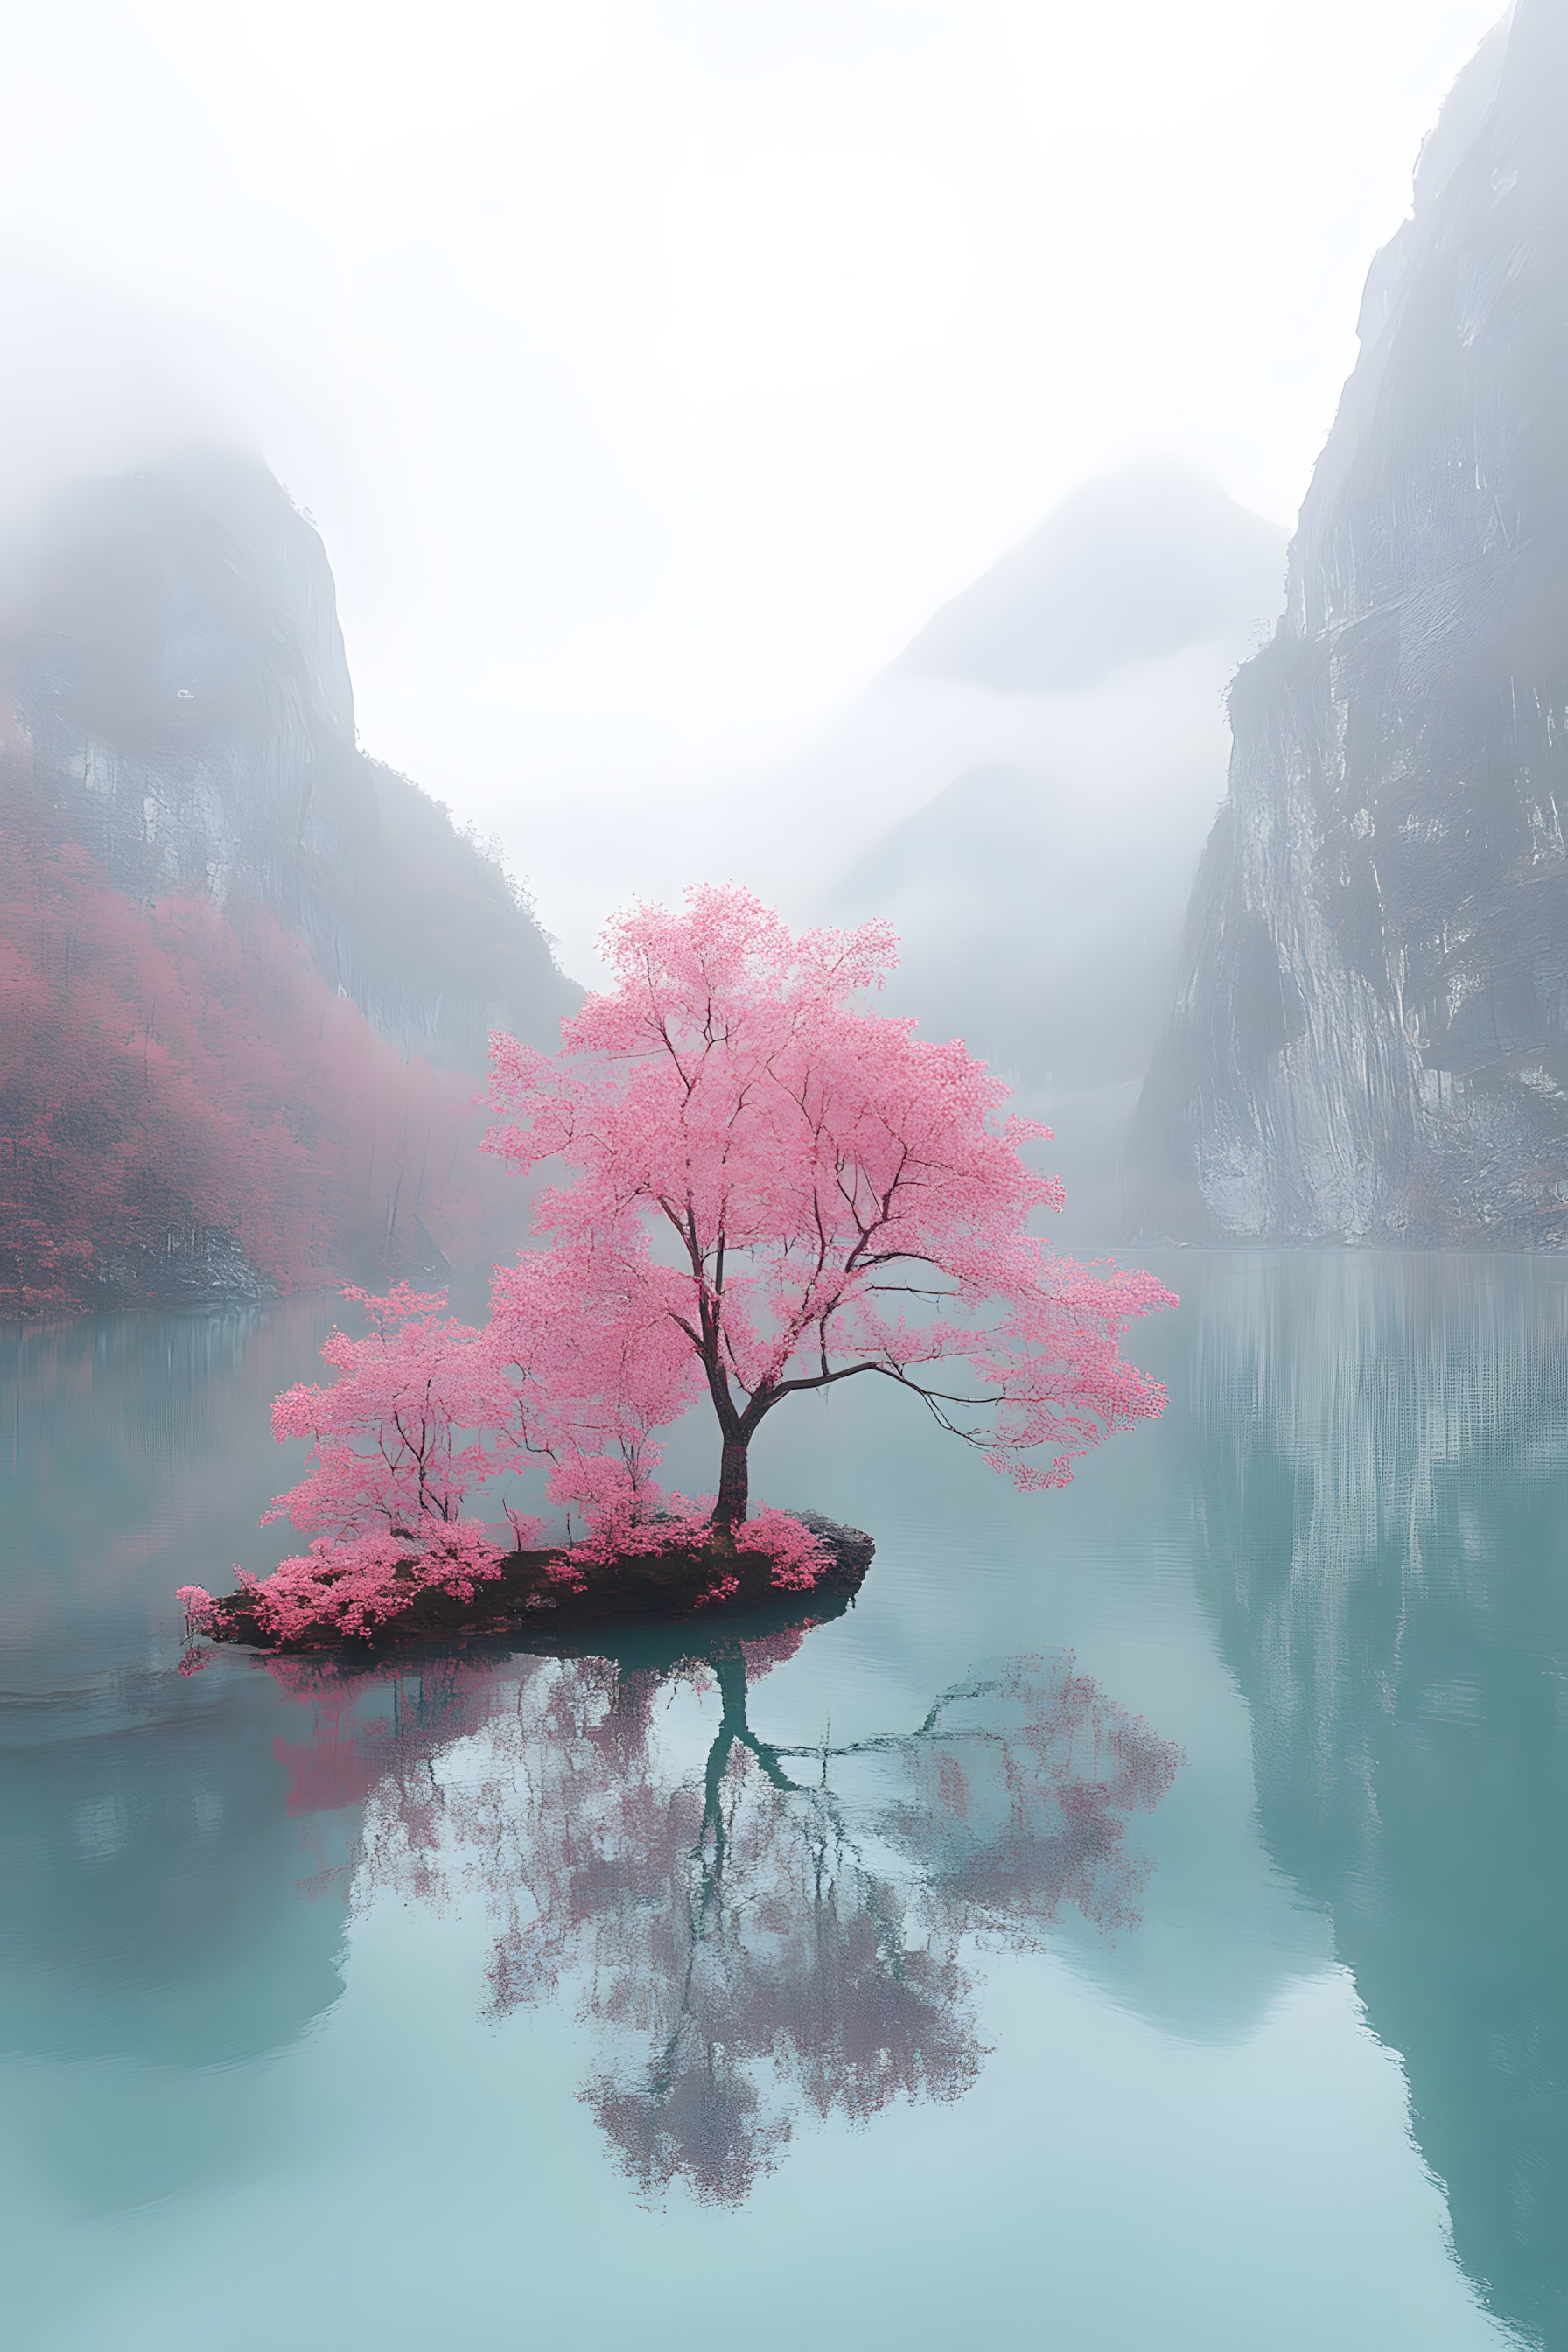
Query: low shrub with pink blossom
point(628, 1518)
point(340, 1586)
point(799, 1557)
point(725, 1590)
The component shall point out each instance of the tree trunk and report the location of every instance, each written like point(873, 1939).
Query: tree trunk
point(733, 1482)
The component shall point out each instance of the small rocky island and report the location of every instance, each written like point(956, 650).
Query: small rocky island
point(550, 1592)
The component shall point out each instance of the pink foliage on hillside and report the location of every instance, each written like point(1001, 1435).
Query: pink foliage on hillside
point(182, 1067)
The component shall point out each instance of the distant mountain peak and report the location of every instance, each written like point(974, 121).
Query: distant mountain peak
point(1135, 564)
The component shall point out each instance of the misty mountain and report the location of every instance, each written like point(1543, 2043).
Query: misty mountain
point(1075, 697)
point(246, 973)
point(173, 654)
point(1371, 1034)
point(1138, 564)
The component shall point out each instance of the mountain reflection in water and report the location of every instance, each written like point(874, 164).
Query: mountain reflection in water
point(756, 1930)
point(1380, 1451)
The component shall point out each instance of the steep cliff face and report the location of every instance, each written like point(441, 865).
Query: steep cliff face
point(173, 655)
point(1371, 1036)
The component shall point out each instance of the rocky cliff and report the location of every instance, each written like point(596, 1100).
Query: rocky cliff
point(246, 974)
point(1371, 1036)
point(172, 655)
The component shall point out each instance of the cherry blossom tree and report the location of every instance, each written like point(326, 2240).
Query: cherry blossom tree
point(778, 1189)
point(398, 1444)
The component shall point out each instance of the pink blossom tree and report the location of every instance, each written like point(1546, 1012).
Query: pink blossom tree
point(398, 1442)
point(388, 1445)
point(778, 1189)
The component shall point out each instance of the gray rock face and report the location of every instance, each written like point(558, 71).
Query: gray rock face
point(177, 1263)
point(1370, 1036)
point(172, 651)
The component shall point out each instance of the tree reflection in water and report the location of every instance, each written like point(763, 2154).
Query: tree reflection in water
point(759, 1930)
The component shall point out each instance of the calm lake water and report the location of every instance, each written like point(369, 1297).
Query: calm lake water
point(897, 1982)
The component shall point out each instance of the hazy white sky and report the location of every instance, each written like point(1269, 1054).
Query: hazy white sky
point(654, 367)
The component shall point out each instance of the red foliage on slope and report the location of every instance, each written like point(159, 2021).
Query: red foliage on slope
point(176, 1071)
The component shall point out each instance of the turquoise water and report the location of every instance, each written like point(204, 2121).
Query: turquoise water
point(894, 1985)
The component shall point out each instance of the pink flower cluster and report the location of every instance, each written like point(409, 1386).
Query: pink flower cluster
point(796, 1556)
point(354, 1584)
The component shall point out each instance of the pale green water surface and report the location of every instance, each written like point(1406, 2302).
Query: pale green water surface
point(872, 1989)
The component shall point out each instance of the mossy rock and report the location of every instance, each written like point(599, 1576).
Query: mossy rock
point(530, 1597)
